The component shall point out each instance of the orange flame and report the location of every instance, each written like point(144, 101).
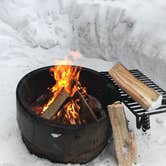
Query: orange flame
point(70, 113)
point(67, 78)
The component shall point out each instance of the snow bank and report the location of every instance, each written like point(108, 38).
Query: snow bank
point(127, 31)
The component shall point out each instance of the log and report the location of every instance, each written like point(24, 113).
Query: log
point(96, 106)
point(38, 103)
point(41, 100)
point(145, 96)
point(86, 111)
point(125, 141)
point(55, 105)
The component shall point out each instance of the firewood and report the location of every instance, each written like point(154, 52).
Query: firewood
point(96, 106)
point(125, 141)
point(38, 103)
point(86, 111)
point(93, 103)
point(40, 100)
point(55, 106)
point(140, 92)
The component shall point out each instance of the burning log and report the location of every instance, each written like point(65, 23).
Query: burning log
point(145, 96)
point(37, 104)
point(125, 143)
point(55, 105)
point(75, 111)
point(90, 107)
point(95, 105)
point(86, 111)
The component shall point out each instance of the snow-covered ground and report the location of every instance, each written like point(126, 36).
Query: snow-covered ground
point(36, 33)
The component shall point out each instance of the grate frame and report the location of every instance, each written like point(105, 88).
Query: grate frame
point(142, 115)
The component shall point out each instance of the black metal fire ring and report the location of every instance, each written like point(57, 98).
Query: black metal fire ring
point(86, 157)
point(73, 140)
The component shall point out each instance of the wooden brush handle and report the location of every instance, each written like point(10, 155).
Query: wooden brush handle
point(140, 92)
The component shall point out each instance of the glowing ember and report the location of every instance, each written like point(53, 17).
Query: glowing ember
point(67, 78)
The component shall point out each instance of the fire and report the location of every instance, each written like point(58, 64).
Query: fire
point(66, 77)
point(70, 113)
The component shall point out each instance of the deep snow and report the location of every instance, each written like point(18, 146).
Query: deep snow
point(35, 33)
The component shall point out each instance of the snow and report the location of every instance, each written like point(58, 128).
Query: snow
point(126, 31)
point(35, 33)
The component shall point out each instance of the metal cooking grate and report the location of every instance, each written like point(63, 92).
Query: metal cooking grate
point(142, 116)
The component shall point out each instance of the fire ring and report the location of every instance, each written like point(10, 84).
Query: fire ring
point(58, 142)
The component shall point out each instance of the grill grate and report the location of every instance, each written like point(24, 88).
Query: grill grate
point(142, 116)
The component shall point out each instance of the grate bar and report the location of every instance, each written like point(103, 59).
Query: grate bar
point(142, 116)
